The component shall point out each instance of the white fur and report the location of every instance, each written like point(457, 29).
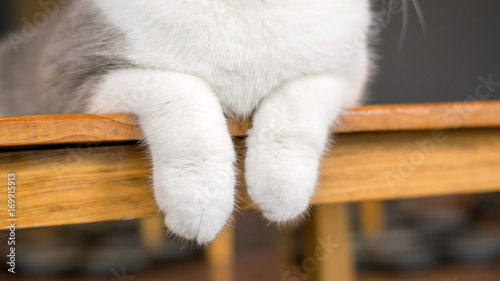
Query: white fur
point(192, 151)
point(286, 59)
point(243, 49)
point(290, 132)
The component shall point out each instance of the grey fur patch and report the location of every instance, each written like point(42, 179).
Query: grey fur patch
point(59, 69)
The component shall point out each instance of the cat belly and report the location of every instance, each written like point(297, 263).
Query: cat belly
point(240, 80)
point(243, 60)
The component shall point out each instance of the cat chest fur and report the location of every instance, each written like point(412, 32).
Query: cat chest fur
point(243, 51)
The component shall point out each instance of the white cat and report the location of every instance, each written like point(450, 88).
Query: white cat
point(179, 66)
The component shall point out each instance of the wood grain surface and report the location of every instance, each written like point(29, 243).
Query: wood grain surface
point(86, 184)
point(63, 129)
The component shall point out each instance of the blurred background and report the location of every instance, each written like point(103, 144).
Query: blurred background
point(442, 238)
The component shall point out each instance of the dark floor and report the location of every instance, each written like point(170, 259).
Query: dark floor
point(260, 266)
point(113, 251)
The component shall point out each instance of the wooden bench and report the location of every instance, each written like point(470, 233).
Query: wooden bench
point(73, 169)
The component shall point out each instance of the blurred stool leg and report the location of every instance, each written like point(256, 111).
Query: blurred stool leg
point(220, 255)
point(332, 251)
point(152, 234)
point(372, 217)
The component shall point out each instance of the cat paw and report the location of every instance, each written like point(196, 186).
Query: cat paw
point(280, 181)
point(197, 199)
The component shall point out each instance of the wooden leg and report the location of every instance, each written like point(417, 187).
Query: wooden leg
point(372, 217)
point(152, 234)
point(220, 257)
point(332, 244)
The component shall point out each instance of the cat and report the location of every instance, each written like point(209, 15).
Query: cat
point(181, 66)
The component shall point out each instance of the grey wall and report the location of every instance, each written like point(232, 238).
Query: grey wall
point(5, 16)
point(463, 42)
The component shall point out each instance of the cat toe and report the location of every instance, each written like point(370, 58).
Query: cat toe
point(197, 201)
point(198, 224)
point(281, 184)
